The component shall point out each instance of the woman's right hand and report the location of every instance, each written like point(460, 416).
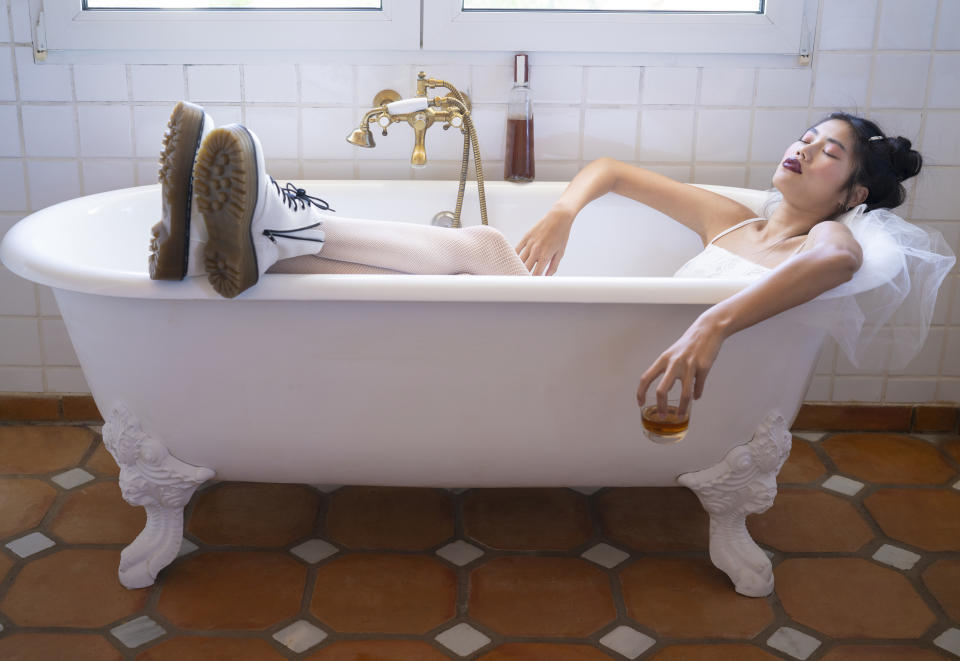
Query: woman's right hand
point(541, 249)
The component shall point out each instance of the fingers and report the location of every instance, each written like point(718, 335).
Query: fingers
point(671, 371)
point(647, 378)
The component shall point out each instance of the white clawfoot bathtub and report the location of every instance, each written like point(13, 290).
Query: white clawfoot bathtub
point(443, 381)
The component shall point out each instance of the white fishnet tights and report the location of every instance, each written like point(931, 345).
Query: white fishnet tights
point(357, 246)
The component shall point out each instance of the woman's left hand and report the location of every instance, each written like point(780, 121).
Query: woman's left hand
point(688, 359)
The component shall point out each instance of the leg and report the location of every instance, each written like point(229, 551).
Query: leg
point(150, 476)
point(745, 482)
point(411, 248)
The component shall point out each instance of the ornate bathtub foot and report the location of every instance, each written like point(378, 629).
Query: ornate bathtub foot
point(153, 478)
point(745, 482)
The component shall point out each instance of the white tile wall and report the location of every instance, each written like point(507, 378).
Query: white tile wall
point(68, 130)
point(9, 132)
point(49, 130)
point(156, 82)
point(907, 24)
point(847, 24)
point(100, 82)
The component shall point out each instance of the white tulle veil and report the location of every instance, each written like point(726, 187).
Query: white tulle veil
point(887, 307)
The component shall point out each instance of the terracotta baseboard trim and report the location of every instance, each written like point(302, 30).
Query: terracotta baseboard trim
point(921, 418)
point(30, 407)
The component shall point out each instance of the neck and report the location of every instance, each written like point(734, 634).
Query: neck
point(788, 220)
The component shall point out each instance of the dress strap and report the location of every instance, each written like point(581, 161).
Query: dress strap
point(738, 225)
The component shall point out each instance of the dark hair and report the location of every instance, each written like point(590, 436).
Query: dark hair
point(881, 164)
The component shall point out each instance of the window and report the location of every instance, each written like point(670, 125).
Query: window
point(219, 30)
point(231, 4)
point(703, 6)
point(618, 26)
point(238, 31)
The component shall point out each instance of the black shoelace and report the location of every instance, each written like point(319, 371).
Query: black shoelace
point(294, 196)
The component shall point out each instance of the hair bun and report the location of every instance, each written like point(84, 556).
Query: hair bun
point(906, 162)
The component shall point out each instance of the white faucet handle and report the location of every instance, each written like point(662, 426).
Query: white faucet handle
point(404, 106)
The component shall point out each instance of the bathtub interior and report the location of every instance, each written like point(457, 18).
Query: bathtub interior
point(107, 235)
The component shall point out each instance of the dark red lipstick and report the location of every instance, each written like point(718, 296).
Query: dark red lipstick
point(792, 164)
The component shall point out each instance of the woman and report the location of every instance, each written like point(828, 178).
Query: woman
point(801, 249)
point(837, 164)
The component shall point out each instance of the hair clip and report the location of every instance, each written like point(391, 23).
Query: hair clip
point(874, 137)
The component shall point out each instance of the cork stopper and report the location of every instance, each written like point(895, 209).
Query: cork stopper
point(521, 69)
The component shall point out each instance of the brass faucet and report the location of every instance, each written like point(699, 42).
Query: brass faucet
point(421, 113)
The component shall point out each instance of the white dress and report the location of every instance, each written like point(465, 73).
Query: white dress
point(714, 261)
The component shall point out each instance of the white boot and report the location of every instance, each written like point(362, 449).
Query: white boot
point(177, 240)
point(252, 222)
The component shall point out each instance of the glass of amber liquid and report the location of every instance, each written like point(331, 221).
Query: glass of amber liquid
point(669, 427)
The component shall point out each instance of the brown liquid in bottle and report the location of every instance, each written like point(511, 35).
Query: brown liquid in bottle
point(519, 153)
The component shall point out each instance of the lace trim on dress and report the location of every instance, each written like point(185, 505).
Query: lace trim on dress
point(715, 261)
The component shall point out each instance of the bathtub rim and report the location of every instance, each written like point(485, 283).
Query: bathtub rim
point(22, 252)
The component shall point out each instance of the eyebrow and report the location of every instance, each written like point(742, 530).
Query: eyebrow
point(836, 142)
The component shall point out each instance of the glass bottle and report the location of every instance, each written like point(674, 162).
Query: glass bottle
point(518, 165)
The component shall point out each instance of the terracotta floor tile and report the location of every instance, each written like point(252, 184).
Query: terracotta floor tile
point(942, 578)
point(803, 465)
point(254, 514)
point(55, 646)
point(527, 519)
point(36, 450)
point(384, 593)
point(232, 590)
point(394, 518)
point(881, 653)
point(888, 458)
point(544, 652)
point(654, 519)
point(71, 588)
point(6, 563)
point(378, 650)
point(736, 652)
point(202, 648)
point(851, 598)
point(23, 503)
point(928, 518)
point(97, 514)
point(952, 448)
point(802, 520)
point(102, 462)
point(533, 596)
point(844, 417)
point(690, 598)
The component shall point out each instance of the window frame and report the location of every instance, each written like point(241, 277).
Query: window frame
point(64, 32)
point(779, 30)
point(417, 30)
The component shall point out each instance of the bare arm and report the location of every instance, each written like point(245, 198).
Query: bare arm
point(832, 260)
point(705, 212)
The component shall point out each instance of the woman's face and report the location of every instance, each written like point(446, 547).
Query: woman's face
point(815, 168)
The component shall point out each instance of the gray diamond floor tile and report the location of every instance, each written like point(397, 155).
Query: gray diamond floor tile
point(627, 641)
point(462, 639)
point(30, 544)
point(605, 555)
point(314, 550)
point(137, 632)
point(72, 478)
point(794, 643)
point(459, 553)
point(300, 636)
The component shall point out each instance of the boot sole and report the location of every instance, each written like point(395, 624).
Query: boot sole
point(169, 249)
point(226, 186)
